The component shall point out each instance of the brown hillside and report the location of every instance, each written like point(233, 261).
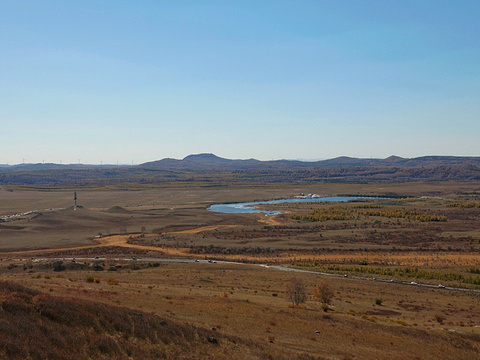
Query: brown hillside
point(39, 326)
point(118, 210)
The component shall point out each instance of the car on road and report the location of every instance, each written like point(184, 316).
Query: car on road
point(413, 283)
point(440, 286)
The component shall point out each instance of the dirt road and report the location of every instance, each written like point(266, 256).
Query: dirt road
point(122, 241)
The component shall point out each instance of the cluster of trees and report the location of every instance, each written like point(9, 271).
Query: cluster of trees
point(367, 206)
point(468, 205)
point(353, 173)
point(403, 214)
point(296, 292)
point(353, 213)
point(231, 250)
point(265, 232)
point(474, 270)
point(331, 213)
point(398, 272)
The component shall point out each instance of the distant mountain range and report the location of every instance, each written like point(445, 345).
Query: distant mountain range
point(209, 161)
point(209, 168)
point(52, 166)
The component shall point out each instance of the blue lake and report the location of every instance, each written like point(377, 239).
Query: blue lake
point(249, 207)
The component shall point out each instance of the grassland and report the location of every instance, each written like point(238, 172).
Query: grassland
point(85, 255)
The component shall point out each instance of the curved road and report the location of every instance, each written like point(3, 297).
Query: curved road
point(122, 241)
point(274, 267)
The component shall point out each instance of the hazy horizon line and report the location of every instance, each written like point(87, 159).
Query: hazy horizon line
point(133, 163)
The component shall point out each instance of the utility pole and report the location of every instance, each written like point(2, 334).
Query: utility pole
point(75, 199)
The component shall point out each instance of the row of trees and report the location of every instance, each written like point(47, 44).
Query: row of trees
point(468, 205)
point(354, 213)
point(296, 292)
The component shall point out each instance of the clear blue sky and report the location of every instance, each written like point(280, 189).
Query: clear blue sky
point(134, 81)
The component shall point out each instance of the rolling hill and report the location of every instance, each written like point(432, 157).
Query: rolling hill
point(209, 168)
point(34, 325)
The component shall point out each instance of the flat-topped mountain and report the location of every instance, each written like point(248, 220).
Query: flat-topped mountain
point(199, 161)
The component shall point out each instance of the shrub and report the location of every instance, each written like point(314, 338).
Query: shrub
point(90, 279)
point(112, 282)
point(439, 318)
point(105, 345)
point(58, 266)
point(378, 301)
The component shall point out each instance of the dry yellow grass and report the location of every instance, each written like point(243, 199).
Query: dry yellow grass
point(256, 310)
point(248, 301)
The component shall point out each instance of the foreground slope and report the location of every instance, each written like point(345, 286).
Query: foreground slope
point(40, 326)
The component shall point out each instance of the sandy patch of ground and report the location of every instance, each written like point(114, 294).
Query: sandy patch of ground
point(200, 229)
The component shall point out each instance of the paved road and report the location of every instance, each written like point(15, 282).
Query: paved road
point(273, 267)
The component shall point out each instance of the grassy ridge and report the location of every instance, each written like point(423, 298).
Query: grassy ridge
point(40, 326)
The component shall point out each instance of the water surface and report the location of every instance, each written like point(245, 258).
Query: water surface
point(249, 207)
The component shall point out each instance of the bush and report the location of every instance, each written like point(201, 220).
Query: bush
point(112, 282)
point(90, 279)
point(58, 266)
point(105, 345)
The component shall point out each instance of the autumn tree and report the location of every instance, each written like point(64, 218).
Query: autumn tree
point(296, 291)
point(323, 293)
